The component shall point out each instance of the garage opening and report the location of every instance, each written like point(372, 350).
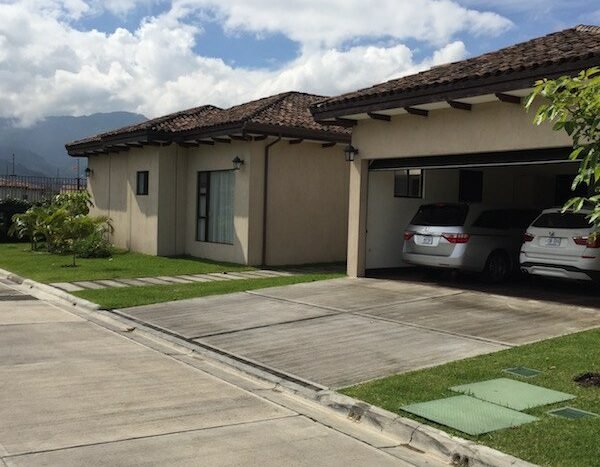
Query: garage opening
point(531, 179)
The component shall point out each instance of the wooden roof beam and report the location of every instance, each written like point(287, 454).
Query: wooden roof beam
point(296, 141)
point(415, 111)
point(221, 140)
point(508, 98)
point(240, 138)
point(382, 117)
point(460, 105)
point(345, 122)
point(328, 145)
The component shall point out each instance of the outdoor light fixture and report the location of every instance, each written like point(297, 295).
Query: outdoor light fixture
point(237, 163)
point(88, 172)
point(350, 152)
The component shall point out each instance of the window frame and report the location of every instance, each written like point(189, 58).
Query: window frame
point(198, 204)
point(206, 217)
point(407, 173)
point(138, 190)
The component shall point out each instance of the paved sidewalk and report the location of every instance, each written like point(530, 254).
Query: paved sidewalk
point(75, 392)
point(169, 280)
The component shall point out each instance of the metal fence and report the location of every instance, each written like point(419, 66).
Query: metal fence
point(35, 189)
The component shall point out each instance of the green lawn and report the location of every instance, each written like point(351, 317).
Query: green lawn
point(551, 440)
point(44, 267)
point(134, 296)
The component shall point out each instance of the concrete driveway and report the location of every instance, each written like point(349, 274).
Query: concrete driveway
point(345, 331)
point(80, 393)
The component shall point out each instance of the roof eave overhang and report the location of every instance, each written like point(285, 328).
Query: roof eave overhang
point(104, 144)
point(298, 133)
point(451, 91)
point(263, 129)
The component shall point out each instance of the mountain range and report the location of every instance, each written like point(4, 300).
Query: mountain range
point(40, 149)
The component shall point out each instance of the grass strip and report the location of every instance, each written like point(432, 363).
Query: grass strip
point(549, 441)
point(45, 267)
point(134, 296)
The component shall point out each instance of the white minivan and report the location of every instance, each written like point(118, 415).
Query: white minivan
point(559, 244)
point(466, 237)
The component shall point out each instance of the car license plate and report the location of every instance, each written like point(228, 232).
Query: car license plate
point(428, 240)
point(553, 241)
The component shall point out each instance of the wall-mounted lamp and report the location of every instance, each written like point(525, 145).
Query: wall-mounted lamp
point(88, 172)
point(237, 163)
point(350, 152)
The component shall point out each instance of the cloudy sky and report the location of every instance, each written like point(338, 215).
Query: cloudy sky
point(76, 57)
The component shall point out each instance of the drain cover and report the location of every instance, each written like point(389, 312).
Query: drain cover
point(516, 395)
point(522, 371)
point(571, 413)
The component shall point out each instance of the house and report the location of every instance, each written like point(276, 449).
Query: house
point(23, 188)
point(456, 132)
point(258, 183)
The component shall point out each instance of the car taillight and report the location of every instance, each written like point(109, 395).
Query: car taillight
point(408, 235)
point(528, 237)
point(590, 242)
point(456, 237)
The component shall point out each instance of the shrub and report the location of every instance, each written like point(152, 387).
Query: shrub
point(95, 245)
point(66, 226)
point(8, 208)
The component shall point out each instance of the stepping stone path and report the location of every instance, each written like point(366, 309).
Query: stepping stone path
point(169, 280)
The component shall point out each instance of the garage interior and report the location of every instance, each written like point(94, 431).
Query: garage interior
point(536, 179)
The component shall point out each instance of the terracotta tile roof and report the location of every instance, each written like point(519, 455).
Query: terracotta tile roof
point(184, 119)
point(283, 112)
point(575, 47)
point(286, 110)
point(12, 182)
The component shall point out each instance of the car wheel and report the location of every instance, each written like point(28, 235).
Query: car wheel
point(497, 267)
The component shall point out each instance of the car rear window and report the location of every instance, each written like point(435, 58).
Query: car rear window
point(506, 218)
point(443, 215)
point(557, 220)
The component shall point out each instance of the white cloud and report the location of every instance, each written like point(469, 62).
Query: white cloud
point(319, 23)
point(48, 67)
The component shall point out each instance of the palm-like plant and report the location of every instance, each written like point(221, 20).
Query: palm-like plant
point(65, 224)
point(29, 224)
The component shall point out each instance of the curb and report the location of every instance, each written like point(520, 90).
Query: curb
point(452, 449)
point(457, 451)
point(49, 290)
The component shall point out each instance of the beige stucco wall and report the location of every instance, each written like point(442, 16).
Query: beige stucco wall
point(172, 200)
point(307, 204)
point(488, 127)
point(493, 126)
point(113, 189)
point(219, 157)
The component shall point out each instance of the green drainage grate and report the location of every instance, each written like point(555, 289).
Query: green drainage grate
point(512, 394)
point(469, 415)
point(522, 371)
point(571, 413)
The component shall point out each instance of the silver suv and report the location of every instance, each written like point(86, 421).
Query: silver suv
point(561, 244)
point(467, 238)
